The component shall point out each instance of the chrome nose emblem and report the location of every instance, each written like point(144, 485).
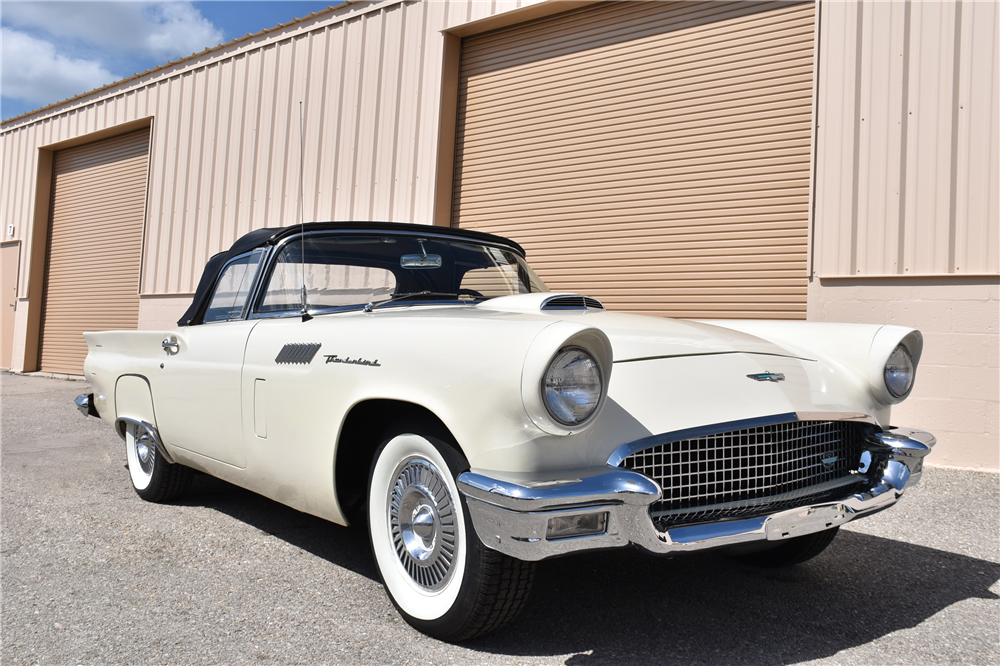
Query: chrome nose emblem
point(829, 459)
point(768, 377)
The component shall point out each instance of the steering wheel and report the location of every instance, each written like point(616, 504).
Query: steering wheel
point(470, 292)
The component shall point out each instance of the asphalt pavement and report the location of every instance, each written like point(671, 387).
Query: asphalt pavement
point(91, 574)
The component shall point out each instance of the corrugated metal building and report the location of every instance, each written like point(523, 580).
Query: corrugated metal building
point(830, 161)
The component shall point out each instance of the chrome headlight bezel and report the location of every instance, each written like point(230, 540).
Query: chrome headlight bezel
point(884, 344)
point(596, 385)
point(547, 345)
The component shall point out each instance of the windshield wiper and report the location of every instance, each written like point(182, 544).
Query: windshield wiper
point(415, 294)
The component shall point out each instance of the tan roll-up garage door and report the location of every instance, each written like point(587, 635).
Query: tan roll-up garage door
point(94, 248)
point(652, 154)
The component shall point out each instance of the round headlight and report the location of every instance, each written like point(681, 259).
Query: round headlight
point(572, 386)
point(899, 372)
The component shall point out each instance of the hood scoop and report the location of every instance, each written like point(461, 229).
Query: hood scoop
point(570, 302)
point(547, 302)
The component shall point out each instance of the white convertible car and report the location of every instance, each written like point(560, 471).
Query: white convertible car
point(425, 380)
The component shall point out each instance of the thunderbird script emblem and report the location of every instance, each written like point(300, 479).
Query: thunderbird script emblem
point(333, 358)
point(768, 377)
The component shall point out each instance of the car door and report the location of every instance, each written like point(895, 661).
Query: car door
point(197, 389)
point(294, 399)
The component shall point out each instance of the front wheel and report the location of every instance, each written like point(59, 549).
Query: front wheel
point(153, 478)
point(439, 576)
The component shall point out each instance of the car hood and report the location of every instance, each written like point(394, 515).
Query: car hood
point(641, 337)
point(670, 375)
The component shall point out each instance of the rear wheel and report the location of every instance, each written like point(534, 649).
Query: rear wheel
point(791, 551)
point(440, 577)
point(154, 479)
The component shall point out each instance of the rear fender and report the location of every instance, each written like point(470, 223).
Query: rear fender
point(134, 399)
point(134, 405)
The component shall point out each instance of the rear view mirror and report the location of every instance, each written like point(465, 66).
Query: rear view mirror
point(420, 261)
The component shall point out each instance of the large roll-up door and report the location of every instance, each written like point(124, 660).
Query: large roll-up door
point(95, 243)
point(652, 154)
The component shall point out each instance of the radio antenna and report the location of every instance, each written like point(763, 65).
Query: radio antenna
point(302, 218)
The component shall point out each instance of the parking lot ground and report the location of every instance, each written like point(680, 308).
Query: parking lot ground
point(92, 574)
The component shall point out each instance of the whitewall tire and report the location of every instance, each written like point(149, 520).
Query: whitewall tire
point(423, 573)
point(141, 456)
point(441, 579)
point(153, 478)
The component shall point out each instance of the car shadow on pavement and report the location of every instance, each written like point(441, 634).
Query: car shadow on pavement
point(347, 547)
point(626, 606)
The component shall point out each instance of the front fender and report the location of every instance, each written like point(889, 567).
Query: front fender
point(860, 350)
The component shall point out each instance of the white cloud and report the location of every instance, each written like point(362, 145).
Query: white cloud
point(180, 30)
point(55, 50)
point(33, 71)
point(161, 30)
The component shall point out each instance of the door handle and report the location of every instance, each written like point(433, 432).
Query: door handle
point(170, 345)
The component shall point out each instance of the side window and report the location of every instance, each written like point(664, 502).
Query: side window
point(494, 281)
point(499, 277)
point(233, 288)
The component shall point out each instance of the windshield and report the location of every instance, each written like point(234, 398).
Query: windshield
point(345, 271)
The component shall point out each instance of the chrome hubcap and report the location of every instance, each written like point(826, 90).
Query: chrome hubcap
point(422, 523)
point(144, 451)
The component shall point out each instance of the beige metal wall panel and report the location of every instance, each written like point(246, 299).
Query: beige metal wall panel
point(907, 139)
point(94, 248)
point(652, 154)
point(225, 145)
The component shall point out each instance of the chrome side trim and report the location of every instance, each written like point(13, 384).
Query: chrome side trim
point(121, 421)
point(511, 513)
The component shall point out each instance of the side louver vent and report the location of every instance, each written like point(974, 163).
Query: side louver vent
point(572, 302)
point(300, 353)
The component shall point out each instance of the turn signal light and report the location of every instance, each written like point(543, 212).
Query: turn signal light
point(584, 524)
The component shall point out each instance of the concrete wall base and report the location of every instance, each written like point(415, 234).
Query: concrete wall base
point(957, 391)
point(161, 311)
point(17, 359)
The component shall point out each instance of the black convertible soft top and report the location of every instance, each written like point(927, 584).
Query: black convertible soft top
point(271, 235)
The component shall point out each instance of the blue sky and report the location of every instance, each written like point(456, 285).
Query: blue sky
point(55, 50)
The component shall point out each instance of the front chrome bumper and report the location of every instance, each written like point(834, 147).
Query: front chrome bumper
point(512, 514)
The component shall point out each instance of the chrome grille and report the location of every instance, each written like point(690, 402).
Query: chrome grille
point(753, 471)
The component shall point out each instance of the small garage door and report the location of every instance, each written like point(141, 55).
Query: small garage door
point(652, 154)
point(95, 243)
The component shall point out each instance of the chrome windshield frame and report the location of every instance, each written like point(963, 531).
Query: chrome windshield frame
point(270, 257)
